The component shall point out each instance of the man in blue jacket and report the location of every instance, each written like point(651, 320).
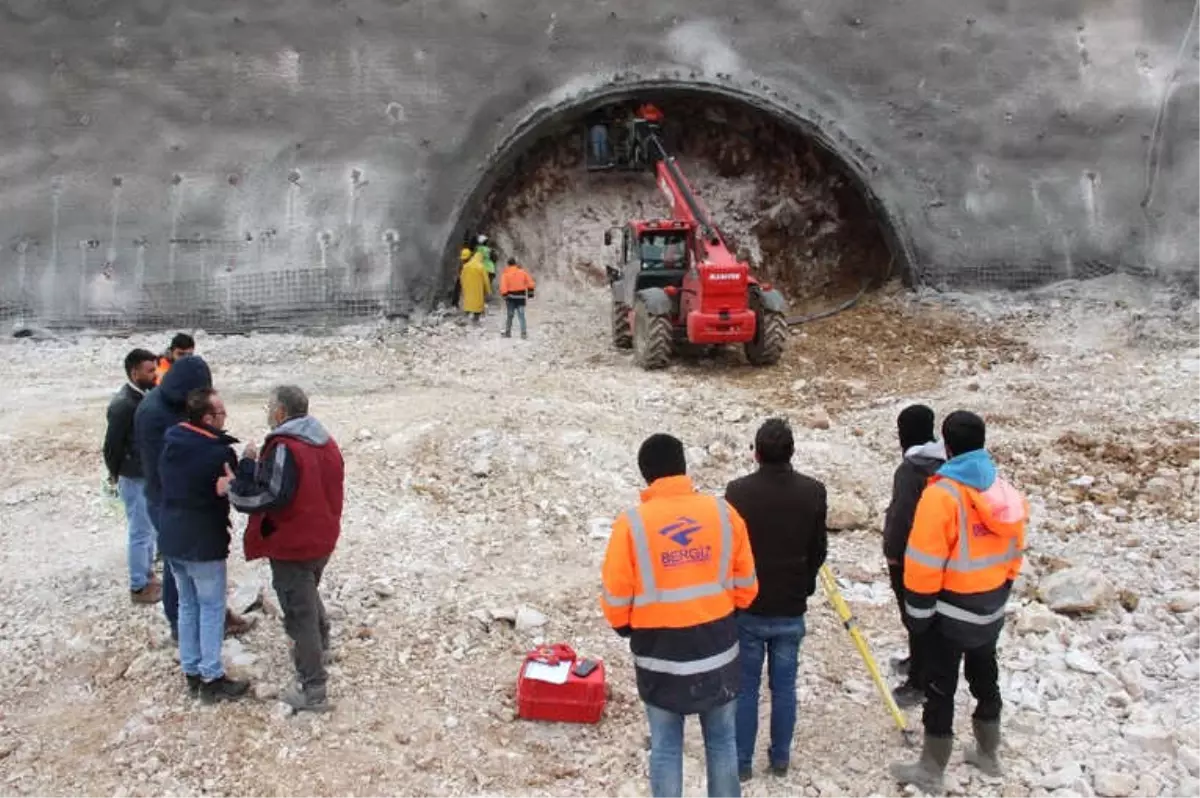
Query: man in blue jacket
point(195, 539)
point(162, 409)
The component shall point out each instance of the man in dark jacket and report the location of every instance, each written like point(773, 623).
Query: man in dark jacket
point(293, 494)
point(162, 409)
point(125, 473)
point(194, 539)
point(785, 516)
point(923, 456)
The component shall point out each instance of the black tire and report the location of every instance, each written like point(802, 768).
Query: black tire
point(652, 338)
point(622, 335)
point(769, 339)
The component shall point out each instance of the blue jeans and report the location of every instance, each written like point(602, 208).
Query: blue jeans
point(599, 138)
point(720, 751)
point(779, 639)
point(514, 309)
point(140, 550)
point(201, 616)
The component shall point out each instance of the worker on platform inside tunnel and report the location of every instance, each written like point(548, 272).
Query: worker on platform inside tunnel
point(182, 345)
point(678, 567)
point(963, 554)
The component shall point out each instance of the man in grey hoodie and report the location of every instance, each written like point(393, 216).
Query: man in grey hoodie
point(923, 456)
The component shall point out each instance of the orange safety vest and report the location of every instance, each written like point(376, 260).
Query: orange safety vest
point(515, 280)
point(964, 551)
point(677, 567)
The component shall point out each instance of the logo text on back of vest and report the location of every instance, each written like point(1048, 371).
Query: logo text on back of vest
point(680, 532)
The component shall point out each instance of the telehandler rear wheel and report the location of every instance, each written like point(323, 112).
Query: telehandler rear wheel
point(769, 339)
point(652, 338)
point(622, 335)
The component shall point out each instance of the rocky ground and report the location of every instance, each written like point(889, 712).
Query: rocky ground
point(481, 476)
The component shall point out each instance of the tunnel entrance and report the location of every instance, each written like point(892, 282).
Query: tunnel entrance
point(780, 196)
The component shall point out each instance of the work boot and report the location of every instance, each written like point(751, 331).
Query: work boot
point(150, 594)
point(745, 774)
point(223, 689)
point(308, 699)
point(193, 684)
point(908, 695)
point(524, 336)
point(779, 770)
point(926, 773)
point(506, 335)
point(236, 626)
point(985, 753)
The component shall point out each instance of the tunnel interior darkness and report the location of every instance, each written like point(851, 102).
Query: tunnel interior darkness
point(780, 194)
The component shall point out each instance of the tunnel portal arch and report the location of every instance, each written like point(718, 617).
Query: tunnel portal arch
point(857, 164)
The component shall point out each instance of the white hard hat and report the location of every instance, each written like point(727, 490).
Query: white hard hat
point(481, 239)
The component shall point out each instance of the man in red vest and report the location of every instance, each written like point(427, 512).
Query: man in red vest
point(293, 493)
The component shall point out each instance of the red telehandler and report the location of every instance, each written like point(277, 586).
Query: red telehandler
point(677, 282)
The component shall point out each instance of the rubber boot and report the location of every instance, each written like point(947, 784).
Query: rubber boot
point(985, 753)
point(926, 773)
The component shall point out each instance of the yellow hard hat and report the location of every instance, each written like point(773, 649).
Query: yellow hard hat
point(465, 255)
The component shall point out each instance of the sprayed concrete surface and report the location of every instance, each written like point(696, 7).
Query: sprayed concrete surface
point(482, 474)
point(161, 155)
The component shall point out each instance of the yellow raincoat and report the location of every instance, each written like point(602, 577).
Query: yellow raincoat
point(475, 285)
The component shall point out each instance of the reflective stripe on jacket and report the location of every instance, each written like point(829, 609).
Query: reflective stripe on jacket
point(677, 567)
point(515, 283)
point(963, 554)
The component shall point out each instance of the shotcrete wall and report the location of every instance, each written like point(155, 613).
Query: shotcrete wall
point(216, 162)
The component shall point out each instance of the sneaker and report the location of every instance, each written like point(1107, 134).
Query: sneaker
point(779, 770)
point(908, 695)
point(222, 689)
point(193, 684)
point(311, 699)
point(745, 774)
point(150, 594)
point(236, 626)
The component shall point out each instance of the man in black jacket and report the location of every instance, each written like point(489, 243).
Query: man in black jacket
point(194, 538)
point(125, 474)
point(785, 514)
point(163, 408)
point(923, 456)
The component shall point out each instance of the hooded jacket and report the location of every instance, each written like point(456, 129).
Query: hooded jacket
point(964, 551)
point(294, 493)
point(195, 520)
point(912, 475)
point(162, 409)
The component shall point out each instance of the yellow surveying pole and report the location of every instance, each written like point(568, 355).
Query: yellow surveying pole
point(835, 598)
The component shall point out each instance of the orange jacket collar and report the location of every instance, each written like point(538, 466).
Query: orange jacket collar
point(201, 430)
point(669, 486)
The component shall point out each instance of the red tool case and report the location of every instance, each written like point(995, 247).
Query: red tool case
point(580, 700)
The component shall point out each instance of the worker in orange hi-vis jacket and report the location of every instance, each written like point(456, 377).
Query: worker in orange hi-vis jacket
point(182, 345)
point(964, 552)
point(678, 566)
point(517, 287)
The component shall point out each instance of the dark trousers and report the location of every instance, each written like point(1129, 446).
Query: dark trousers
point(170, 597)
point(983, 676)
point(916, 653)
point(304, 618)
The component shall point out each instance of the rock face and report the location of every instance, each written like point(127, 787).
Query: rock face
point(1075, 590)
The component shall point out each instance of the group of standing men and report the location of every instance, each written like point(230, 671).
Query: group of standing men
point(167, 451)
point(477, 282)
point(706, 588)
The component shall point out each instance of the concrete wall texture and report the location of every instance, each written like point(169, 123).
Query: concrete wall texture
point(160, 156)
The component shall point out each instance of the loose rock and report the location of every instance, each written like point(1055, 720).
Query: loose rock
point(1184, 602)
point(1075, 590)
point(847, 511)
point(528, 619)
point(1111, 784)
